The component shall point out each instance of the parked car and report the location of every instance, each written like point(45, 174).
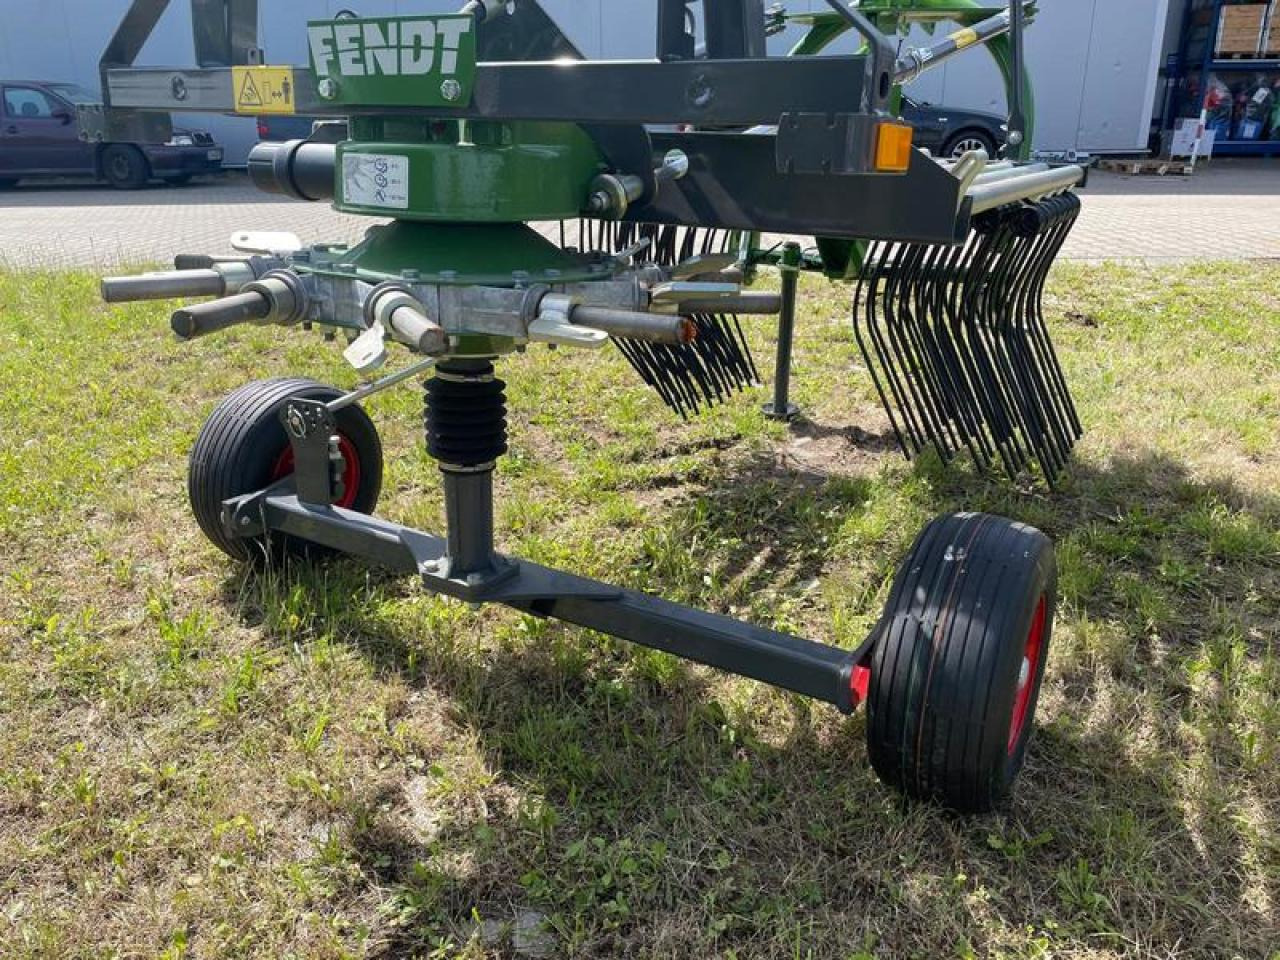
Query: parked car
point(40, 136)
point(278, 128)
point(949, 133)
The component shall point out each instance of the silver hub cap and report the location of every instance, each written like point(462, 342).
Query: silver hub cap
point(965, 145)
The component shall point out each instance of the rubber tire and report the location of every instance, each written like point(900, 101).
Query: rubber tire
point(135, 170)
point(988, 144)
point(945, 667)
point(240, 445)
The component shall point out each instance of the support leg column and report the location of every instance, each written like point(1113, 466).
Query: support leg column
point(781, 408)
point(466, 423)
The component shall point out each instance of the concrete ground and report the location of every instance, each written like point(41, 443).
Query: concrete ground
point(1228, 210)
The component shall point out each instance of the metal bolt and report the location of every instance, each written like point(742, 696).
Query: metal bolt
point(700, 92)
point(244, 521)
point(451, 89)
point(327, 88)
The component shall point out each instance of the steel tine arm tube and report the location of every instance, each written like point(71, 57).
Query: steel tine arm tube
point(990, 196)
point(201, 319)
point(651, 327)
point(174, 284)
point(758, 304)
point(163, 286)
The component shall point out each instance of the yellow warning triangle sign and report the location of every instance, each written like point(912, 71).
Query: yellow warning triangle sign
point(249, 95)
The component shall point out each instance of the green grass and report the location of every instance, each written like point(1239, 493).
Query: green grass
point(196, 761)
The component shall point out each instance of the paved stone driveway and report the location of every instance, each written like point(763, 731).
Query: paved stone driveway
point(1230, 210)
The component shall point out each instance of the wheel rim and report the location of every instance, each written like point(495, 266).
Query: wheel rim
point(1027, 674)
point(967, 144)
point(350, 470)
point(119, 167)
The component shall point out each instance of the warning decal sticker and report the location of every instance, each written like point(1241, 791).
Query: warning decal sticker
point(376, 180)
point(261, 90)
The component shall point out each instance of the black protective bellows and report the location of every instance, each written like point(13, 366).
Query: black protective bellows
point(466, 417)
point(957, 344)
point(713, 366)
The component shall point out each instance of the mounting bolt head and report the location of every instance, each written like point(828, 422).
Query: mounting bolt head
point(451, 90)
point(327, 88)
point(244, 521)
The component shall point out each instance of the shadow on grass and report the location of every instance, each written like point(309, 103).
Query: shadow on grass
point(661, 812)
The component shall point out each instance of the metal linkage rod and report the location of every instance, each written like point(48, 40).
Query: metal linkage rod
point(915, 62)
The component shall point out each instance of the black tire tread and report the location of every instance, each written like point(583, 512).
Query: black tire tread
point(141, 174)
point(941, 690)
point(222, 457)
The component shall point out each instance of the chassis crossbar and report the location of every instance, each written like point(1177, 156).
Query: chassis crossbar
point(813, 669)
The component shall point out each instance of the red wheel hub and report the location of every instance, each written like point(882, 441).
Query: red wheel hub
point(350, 470)
point(1027, 674)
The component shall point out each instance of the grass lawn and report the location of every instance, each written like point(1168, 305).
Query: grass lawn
point(197, 761)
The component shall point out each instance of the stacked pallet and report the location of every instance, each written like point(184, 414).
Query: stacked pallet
point(1271, 46)
point(1240, 32)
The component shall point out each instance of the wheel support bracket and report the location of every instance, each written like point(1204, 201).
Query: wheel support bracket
point(813, 669)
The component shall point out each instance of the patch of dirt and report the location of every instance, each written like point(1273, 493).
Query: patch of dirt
point(836, 449)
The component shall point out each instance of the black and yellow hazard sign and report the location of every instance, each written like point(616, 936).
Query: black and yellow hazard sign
point(264, 89)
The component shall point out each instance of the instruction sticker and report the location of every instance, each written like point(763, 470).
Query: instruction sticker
point(375, 180)
point(261, 90)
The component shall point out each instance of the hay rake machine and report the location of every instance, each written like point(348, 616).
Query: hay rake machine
point(654, 182)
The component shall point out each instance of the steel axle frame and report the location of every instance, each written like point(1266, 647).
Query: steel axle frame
point(465, 565)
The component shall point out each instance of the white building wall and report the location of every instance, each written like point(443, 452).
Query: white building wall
point(1094, 62)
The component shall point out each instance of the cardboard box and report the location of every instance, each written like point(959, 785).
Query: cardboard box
point(1271, 47)
point(1240, 30)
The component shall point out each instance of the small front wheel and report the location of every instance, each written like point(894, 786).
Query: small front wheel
point(958, 663)
point(243, 448)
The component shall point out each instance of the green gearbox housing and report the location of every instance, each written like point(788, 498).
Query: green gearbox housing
point(445, 171)
point(449, 171)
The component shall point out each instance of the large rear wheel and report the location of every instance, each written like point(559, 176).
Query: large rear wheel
point(243, 448)
point(958, 663)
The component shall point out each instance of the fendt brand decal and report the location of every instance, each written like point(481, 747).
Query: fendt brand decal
point(388, 47)
point(394, 61)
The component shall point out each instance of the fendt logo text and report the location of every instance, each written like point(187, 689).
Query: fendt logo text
point(392, 48)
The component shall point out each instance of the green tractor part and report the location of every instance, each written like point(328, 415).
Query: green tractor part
point(532, 197)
